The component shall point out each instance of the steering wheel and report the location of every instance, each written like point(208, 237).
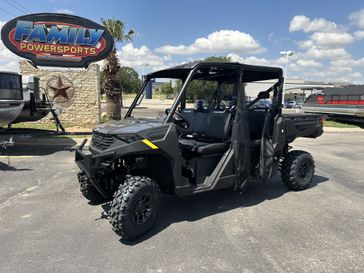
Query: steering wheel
point(179, 119)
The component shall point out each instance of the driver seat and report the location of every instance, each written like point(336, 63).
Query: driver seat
point(191, 148)
point(207, 134)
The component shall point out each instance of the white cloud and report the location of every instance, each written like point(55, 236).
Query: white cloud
point(309, 63)
point(302, 67)
point(6, 54)
point(138, 57)
point(303, 23)
point(279, 62)
point(11, 66)
point(217, 42)
point(348, 62)
point(332, 38)
point(357, 75)
point(66, 11)
point(322, 56)
point(305, 44)
point(340, 69)
point(8, 60)
point(357, 18)
point(359, 35)
point(249, 60)
point(330, 53)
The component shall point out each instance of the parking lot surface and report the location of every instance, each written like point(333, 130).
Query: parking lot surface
point(46, 226)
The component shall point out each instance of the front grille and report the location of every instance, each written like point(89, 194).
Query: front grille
point(101, 141)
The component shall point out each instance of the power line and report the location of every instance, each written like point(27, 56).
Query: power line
point(8, 12)
point(20, 5)
point(14, 6)
point(17, 5)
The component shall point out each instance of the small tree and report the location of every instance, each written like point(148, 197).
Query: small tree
point(112, 87)
point(166, 89)
point(129, 80)
point(221, 59)
point(199, 89)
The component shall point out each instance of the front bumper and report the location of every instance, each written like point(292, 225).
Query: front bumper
point(89, 164)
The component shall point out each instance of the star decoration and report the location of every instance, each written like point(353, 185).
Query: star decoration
point(60, 89)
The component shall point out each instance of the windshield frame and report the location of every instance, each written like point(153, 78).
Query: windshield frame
point(185, 82)
point(142, 90)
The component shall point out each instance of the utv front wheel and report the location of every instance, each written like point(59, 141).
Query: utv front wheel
point(134, 208)
point(88, 190)
point(297, 170)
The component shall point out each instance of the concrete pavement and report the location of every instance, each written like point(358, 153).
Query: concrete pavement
point(46, 226)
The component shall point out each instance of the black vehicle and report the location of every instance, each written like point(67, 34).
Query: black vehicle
point(219, 143)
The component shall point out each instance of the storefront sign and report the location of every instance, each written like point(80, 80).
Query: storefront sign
point(50, 39)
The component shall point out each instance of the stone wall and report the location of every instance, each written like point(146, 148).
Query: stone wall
point(85, 104)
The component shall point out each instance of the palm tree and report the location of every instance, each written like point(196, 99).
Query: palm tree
point(111, 68)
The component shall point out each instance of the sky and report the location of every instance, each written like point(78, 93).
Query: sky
point(327, 37)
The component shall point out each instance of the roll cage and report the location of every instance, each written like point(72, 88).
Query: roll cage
point(234, 72)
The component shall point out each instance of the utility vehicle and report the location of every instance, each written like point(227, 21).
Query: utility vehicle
point(219, 142)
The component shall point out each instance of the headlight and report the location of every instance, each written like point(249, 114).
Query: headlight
point(128, 138)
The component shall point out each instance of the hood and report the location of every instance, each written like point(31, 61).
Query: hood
point(127, 126)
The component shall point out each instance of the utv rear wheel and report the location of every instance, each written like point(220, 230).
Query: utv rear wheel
point(134, 208)
point(88, 190)
point(297, 170)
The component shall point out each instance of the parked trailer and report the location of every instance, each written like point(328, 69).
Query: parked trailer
point(342, 104)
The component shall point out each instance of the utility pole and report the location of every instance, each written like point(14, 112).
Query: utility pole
point(287, 54)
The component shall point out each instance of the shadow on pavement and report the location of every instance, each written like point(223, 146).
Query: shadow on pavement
point(5, 167)
point(39, 146)
point(199, 206)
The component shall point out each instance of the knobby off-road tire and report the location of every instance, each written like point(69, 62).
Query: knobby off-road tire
point(134, 208)
point(88, 190)
point(297, 170)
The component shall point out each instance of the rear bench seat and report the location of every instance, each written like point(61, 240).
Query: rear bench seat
point(207, 134)
point(256, 123)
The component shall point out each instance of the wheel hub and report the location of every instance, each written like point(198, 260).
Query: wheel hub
point(143, 209)
point(304, 169)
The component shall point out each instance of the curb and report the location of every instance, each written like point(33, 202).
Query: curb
point(342, 130)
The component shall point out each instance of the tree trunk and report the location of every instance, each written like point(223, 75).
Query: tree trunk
point(112, 87)
point(113, 107)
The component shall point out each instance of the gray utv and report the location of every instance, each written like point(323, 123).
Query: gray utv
point(210, 139)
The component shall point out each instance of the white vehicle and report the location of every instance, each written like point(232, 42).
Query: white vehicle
point(291, 104)
point(21, 99)
point(11, 97)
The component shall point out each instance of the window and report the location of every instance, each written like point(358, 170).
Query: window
point(10, 87)
point(212, 88)
point(201, 94)
point(228, 95)
point(157, 97)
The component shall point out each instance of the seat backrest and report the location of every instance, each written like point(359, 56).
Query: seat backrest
point(256, 122)
point(217, 125)
point(213, 125)
point(195, 120)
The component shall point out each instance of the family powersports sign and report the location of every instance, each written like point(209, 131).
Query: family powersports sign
point(51, 39)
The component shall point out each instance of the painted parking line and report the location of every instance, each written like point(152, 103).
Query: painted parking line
point(17, 156)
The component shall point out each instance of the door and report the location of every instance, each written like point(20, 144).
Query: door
point(240, 138)
point(273, 135)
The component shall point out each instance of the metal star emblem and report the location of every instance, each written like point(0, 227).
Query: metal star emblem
point(60, 89)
